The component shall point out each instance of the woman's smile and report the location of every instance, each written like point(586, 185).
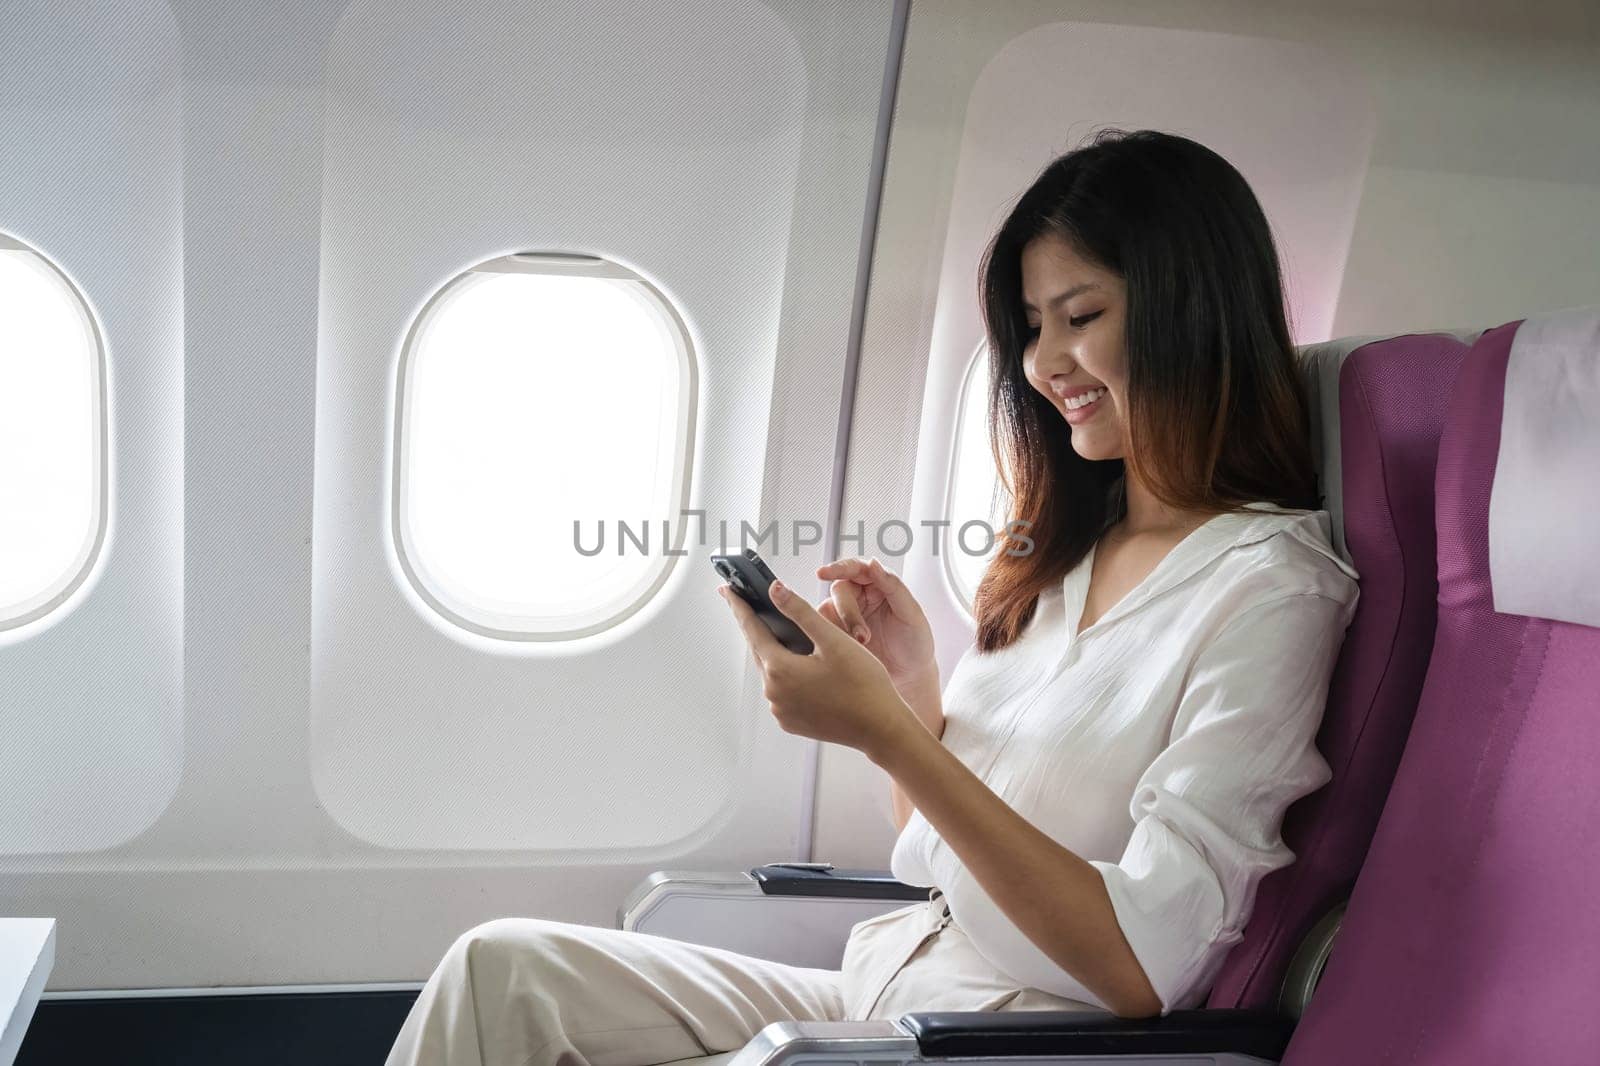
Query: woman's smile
point(1081, 403)
point(1079, 415)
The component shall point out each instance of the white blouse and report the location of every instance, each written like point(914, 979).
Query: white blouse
point(1162, 745)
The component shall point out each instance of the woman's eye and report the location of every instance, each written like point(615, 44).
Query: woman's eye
point(1032, 332)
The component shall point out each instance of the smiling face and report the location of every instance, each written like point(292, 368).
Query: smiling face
point(1075, 348)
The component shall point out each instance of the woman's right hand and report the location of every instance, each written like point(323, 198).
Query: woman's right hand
point(871, 603)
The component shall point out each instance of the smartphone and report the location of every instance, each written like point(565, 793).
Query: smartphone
point(752, 579)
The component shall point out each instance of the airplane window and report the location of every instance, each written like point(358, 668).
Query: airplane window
point(978, 502)
point(543, 443)
point(52, 436)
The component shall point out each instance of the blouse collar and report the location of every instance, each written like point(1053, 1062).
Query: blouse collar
point(1219, 534)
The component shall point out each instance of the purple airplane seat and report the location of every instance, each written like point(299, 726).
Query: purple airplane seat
point(1473, 935)
point(1377, 408)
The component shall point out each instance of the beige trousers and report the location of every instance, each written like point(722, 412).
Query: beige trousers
point(531, 992)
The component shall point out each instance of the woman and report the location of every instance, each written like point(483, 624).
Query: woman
point(1099, 788)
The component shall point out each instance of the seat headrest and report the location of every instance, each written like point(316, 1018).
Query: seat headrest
point(1543, 557)
point(1320, 370)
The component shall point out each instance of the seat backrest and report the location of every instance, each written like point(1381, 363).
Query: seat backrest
point(1473, 936)
point(1377, 410)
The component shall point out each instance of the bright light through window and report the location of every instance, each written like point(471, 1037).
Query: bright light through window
point(52, 470)
point(975, 490)
point(538, 391)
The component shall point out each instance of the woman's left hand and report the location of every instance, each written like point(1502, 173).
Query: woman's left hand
point(840, 693)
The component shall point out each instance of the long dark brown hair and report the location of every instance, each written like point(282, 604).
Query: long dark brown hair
point(1216, 415)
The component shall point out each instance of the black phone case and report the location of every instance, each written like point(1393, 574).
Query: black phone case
point(758, 579)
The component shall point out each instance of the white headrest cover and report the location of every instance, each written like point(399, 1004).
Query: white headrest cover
point(1544, 506)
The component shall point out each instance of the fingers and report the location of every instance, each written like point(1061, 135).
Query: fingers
point(763, 644)
point(854, 568)
point(830, 611)
point(871, 572)
point(847, 606)
point(802, 614)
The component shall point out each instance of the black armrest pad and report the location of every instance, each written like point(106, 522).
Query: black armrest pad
point(777, 880)
point(945, 1034)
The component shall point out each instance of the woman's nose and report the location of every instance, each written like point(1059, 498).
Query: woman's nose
point(1049, 362)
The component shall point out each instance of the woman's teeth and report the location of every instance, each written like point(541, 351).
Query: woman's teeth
point(1084, 399)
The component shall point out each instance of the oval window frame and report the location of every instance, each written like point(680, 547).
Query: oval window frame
point(973, 374)
point(604, 616)
point(60, 591)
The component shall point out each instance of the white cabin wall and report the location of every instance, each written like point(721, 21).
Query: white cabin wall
point(1483, 201)
point(91, 175)
point(496, 158)
point(259, 195)
point(1477, 204)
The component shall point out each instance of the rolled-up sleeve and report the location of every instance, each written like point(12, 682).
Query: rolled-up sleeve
point(1209, 810)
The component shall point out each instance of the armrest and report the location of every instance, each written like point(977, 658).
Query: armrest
point(27, 953)
point(822, 879)
point(1254, 1035)
point(1218, 1037)
point(803, 921)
